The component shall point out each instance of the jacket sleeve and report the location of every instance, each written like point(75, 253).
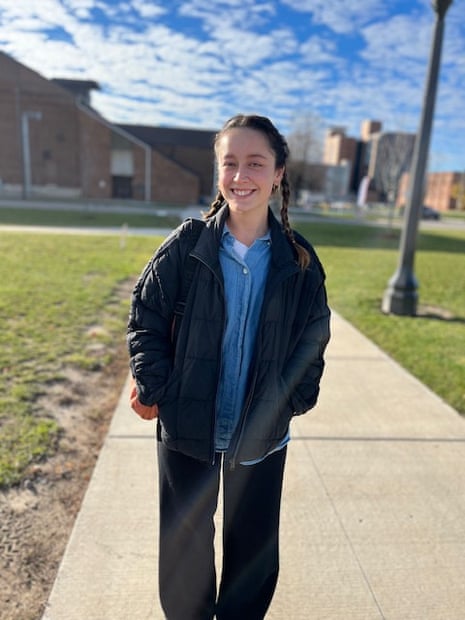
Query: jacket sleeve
point(150, 319)
point(304, 368)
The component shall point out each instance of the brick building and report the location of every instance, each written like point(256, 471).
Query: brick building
point(192, 149)
point(444, 190)
point(340, 149)
point(54, 144)
point(356, 153)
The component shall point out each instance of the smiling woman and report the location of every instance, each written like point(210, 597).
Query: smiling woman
point(245, 359)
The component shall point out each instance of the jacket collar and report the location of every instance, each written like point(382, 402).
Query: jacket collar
point(282, 253)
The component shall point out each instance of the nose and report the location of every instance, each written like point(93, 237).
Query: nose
point(241, 173)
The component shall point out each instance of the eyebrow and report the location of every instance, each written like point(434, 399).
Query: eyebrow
point(251, 156)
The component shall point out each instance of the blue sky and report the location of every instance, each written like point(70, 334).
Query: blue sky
point(195, 63)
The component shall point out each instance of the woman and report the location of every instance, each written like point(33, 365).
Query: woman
point(225, 380)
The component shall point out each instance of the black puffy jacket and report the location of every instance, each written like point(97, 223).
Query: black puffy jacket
point(182, 376)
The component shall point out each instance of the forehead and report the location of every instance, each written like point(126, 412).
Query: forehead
point(243, 142)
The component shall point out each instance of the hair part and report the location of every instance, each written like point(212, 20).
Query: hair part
point(280, 149)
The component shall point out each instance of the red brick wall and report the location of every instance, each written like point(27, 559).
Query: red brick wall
point(95, 151)
point(438, 194)
point(172, 184)
point(52, 139)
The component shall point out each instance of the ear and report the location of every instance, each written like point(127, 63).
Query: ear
point(278, 176)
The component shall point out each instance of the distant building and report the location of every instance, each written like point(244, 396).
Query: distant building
point(340, 149)
point(353, 153)
point(382, 156)
point(55, 145)
point(444, 191)
point(190, 148)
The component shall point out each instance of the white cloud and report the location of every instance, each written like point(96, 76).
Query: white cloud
point(316, 50)
point(342, 61)
point(81, 8)
point(339, 15)
point(242, 14)
point(148, 10)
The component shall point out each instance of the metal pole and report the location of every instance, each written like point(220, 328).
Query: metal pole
point(26, 147)
point(401, 295)
point(148, 174)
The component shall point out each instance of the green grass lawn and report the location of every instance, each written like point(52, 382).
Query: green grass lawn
point(58, 301)
point(55, 288)
point(86, 218)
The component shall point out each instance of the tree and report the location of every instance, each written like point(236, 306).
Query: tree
point(394, 152)
point(458, 193)
point(393, 157)
point(304, 141)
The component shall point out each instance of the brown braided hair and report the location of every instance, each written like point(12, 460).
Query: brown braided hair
point(280, 148)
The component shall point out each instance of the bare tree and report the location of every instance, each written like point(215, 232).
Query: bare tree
point(394, 152)
point(305, 142)
point(391, 157)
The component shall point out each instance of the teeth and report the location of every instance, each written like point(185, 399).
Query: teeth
point(242, 192)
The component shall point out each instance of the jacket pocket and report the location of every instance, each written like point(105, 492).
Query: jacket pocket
point(285, 409)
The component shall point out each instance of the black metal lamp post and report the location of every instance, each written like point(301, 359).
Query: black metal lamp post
point(401, 295)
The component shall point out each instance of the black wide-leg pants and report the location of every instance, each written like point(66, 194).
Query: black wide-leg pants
point(188, 500)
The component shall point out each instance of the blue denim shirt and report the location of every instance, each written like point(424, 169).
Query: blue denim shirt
point(244, 285)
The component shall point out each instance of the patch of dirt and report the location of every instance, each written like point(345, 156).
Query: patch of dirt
point(37, 517)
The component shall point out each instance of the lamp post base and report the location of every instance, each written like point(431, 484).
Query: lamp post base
point(401, 296)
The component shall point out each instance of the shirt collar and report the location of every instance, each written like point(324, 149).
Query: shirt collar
point(227, 233)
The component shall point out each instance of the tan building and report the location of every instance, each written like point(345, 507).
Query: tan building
point(368, 128)
point(444, 191)
point(348, 151)
point(54, 144)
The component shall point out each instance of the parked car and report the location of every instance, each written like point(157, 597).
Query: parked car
point(427, 213)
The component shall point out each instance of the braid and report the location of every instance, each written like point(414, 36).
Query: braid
point(303, 257)
point(215, 205)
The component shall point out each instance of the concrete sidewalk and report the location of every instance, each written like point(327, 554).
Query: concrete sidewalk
point(373, 517)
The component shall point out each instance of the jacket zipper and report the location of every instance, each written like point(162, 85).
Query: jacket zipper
point(232, 462)
point(212, 436)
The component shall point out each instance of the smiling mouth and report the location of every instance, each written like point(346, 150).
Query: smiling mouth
point(242, 192)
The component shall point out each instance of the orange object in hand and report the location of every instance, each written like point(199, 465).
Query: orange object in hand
point(143, 411)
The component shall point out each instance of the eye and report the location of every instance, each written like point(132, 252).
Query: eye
point(256, 164)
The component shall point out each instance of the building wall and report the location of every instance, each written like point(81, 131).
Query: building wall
point(95, 152)
point(171, 183)
point(338, 147)
point(368, 128)
point(439, 190)
point(54, 157)
point(196, 160)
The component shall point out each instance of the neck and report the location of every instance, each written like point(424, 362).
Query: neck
point(247, 228)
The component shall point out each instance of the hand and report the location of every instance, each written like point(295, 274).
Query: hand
point(143, 411)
